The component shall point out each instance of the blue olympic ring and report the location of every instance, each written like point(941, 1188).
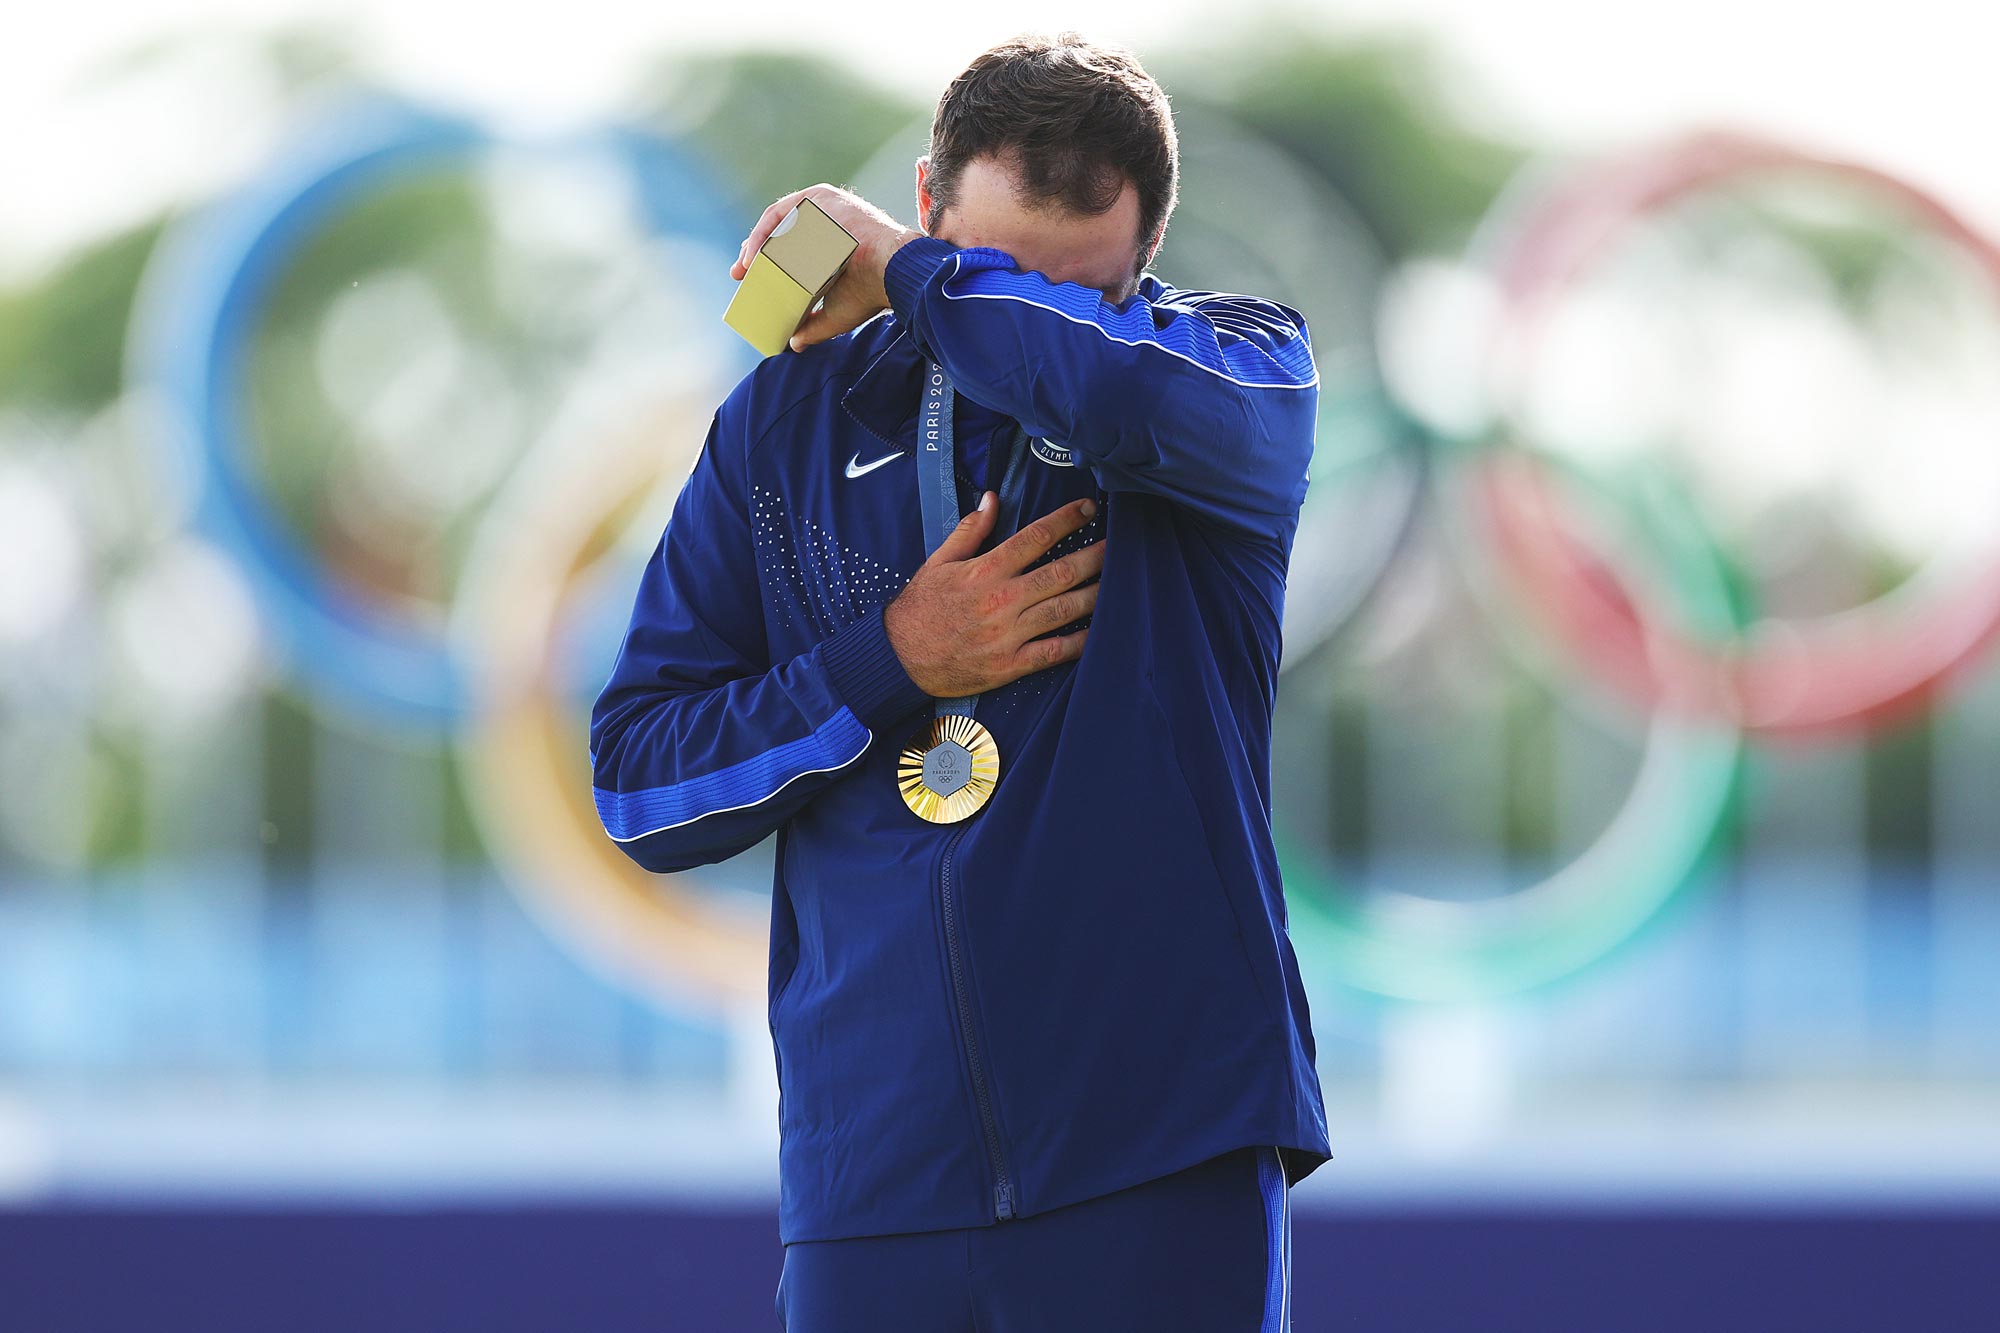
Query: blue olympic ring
point(196, 313)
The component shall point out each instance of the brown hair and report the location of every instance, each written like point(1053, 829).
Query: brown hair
point(1075, 120)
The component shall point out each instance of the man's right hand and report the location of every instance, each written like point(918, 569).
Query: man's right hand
point(962, 624)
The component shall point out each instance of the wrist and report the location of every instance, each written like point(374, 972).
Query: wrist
point(868, 673)
point(890, 624)
point(910, 267)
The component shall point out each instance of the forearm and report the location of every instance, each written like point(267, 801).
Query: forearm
point(686, 776)
point(1212, 405)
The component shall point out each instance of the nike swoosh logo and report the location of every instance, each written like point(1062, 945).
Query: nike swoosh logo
point(857, 468)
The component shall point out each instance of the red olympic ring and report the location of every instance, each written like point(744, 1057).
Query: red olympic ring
point(1856, 668)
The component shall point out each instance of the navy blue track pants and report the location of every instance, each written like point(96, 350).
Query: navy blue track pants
point(1205, 1250)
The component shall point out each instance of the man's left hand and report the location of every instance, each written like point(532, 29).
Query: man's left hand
point(857, 294)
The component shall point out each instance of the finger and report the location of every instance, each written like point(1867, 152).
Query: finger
point(809, 330)
point(1041, 654)
point(1033, 542)
point(962, 542)
point(766, 224)
point(841, 311)
point(1046, 615)
point(1060, 575)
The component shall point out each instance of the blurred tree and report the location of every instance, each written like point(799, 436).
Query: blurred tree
point(773, 121)
point(1369, 115)
point(62, 338)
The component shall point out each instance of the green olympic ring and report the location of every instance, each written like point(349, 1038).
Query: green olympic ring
point(1396, 944)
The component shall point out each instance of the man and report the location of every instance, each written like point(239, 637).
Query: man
point(1043, 1053)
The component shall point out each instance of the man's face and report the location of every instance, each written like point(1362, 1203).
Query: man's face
point(1098, 250)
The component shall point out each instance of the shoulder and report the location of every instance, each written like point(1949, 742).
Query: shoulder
point(779, 385)
point(1252, 341)
point(1259, 312)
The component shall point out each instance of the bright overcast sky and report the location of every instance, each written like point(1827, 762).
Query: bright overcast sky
point(1908, 86)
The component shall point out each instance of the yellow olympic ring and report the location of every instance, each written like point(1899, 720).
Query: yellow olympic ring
point(523, 750)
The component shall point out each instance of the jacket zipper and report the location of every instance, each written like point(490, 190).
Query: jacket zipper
point(1003, 1188)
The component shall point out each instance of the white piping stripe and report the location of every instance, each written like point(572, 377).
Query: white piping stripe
point(1277, 1240)
point(1285, 1207)
point(866, 737)
point(1129, 342)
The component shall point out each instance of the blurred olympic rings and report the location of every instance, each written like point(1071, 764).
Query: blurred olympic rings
point(530, 627)
point(534, 606)
point(1860, 665)
point(1645, 598)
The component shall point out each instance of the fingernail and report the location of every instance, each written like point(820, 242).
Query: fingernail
point(985, 501)
point(1089, 508)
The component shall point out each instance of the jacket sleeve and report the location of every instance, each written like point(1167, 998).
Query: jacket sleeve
point(699, 745)
point(1206, 398)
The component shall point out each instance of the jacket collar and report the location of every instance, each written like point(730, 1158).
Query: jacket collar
point(885, 396)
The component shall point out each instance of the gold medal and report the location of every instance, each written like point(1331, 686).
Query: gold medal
point(948, 769)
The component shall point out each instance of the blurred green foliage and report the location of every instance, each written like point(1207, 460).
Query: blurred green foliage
point(773, 122)
point(62, 338)
point(1369, 116)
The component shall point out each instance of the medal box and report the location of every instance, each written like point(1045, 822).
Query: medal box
point(798, 261)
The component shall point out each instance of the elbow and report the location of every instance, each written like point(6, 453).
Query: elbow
point(637, 831)
point(664, 840)
point(660, 855)
point(664, 851)
point(1114, 420)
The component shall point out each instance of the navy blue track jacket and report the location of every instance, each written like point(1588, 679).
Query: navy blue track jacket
point(1088, 983)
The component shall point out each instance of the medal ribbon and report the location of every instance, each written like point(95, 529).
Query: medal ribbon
point(938, 489)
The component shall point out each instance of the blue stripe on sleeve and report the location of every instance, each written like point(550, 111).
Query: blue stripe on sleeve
point(1234, 357)
point(835, 743)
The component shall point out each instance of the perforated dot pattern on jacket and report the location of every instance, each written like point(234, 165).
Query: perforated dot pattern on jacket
point(816, 584)
point(812, 580)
